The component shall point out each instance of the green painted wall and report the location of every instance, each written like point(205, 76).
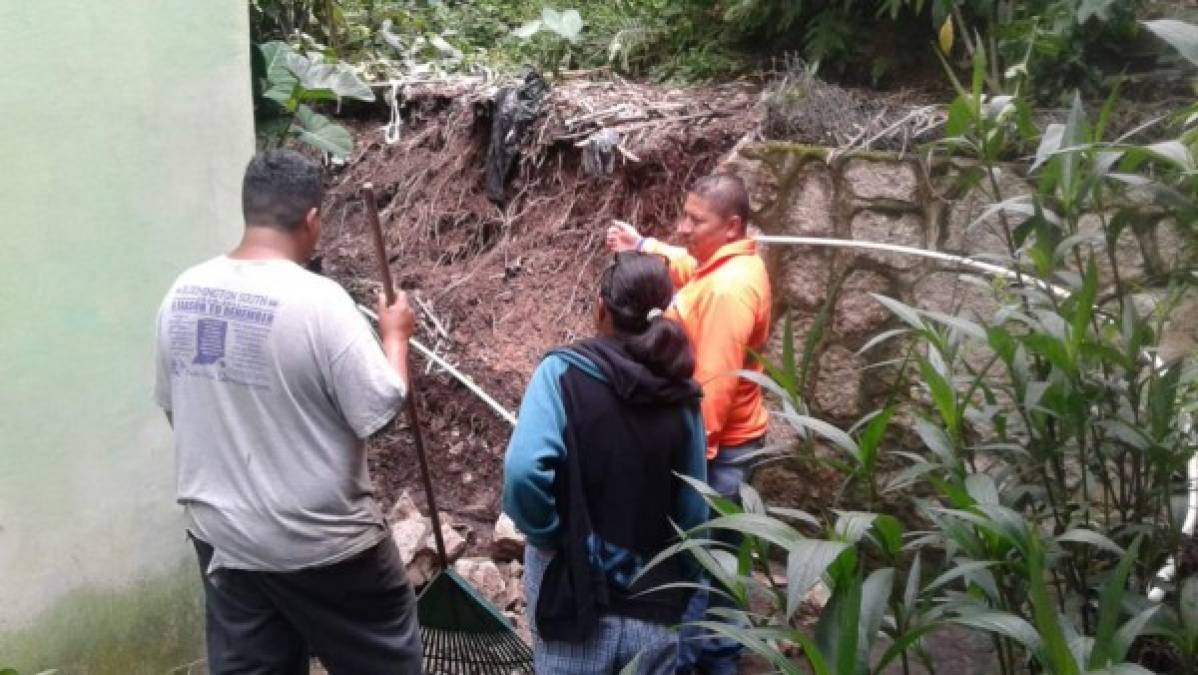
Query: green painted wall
point(126, 125)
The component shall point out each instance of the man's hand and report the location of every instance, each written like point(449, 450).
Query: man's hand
point(622, 237)
point(396, 321)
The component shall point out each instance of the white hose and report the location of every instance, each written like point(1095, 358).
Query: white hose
point(453, 372)
point(989, 268)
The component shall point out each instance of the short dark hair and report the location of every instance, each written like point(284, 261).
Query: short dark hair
point(279, 188)
point(727, 194)
point(632, 286)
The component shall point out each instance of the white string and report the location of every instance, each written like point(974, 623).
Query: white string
point(392, 131)
point(453, 372)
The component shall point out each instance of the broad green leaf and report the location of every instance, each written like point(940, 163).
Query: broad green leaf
point(1174, 152)
point(838, 629)
point(1083, 536)
point(805, 564)
point(852, 525)
point(571, 25)
point(750, 499)
point(337, 78)
point(875, 594)
point(871, 438)
point(960, 570)
point(1162, 400)
point(982, 488)
point(966, 326)
point(756, 525)
point(1106, 649)
point(528, 30)
point(903, 311)
point(719, 503)
point(1074, 134)
point(903, 643)
point(942, 395)
point(1005, 624)
point(756, 640)
point(1050, 142)
point(673, 550)
point(825, 430)
point(1180, 35)
point(788, 355)
point(447, 50)
point(316, 130)
point(890, 534)
point(914, 579)
point(795, 514)
point(1124, 637)
point(1188, 603)
point(1057, 653)
point(1089, 9)
point(882, 337)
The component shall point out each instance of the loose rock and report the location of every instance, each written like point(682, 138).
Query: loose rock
point(507, 542)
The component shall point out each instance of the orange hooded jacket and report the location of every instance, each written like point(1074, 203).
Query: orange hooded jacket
point(724, 305)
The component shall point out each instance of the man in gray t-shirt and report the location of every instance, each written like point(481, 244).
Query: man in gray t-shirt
point(272, 381)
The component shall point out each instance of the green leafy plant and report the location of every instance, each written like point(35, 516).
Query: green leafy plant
point(553, 37)
point(289, 83)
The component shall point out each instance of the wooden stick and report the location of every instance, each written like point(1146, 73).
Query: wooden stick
point(380, 245)
point(380, 249)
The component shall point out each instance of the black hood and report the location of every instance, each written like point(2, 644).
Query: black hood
point(631, 380)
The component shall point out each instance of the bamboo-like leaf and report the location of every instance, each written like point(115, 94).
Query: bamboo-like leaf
point(1005, 624)
point(316, 130)
point(1083, 536)
point(805, 564)
point(1180, 35)
point(1188, 604)
point(875, 593)
point(1124, 637)
point(982, 488)
point(852, 525)
point(882, 337)
point(825, 430)
point(959, 570)
point(756, 525)
point(755, 640)
point(795, 514)
point(1059, 658)
point(908, 314)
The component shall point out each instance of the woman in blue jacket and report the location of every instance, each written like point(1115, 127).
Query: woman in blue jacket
point(605, 425)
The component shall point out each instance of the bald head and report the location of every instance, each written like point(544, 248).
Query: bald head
point(726, 194)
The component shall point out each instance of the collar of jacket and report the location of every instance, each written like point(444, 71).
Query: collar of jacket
point(745, 246)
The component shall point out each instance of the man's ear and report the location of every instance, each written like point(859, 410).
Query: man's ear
point(312, 223)
point(735, 228)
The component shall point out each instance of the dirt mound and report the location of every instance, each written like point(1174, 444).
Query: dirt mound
point(501, 285)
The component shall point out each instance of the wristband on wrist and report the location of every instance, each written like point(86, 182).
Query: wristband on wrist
point(640, 244)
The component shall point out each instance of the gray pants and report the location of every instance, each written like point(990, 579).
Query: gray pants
point(617, 640)
point(358, 617)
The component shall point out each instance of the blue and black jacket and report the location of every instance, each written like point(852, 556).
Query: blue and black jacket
point(589, 473)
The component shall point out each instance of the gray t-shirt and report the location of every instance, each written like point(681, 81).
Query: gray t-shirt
point(273, 380)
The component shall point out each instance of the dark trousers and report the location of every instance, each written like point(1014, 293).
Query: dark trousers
point(358, 617)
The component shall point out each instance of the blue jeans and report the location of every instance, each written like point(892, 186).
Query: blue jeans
point(616, 640)
point(700, 649)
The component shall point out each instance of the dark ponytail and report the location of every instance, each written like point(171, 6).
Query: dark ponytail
point(635, 286)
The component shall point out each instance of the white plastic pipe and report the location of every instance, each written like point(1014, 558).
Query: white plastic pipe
point(989, 268)
point(453, 372)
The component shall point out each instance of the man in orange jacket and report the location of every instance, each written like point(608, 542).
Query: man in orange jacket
point(723, 301)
